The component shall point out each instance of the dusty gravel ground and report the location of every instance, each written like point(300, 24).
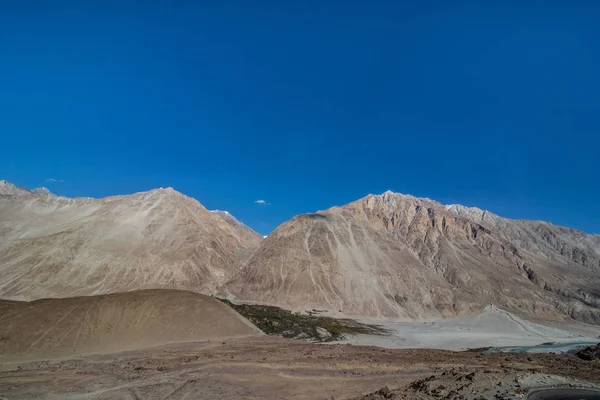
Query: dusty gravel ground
point(278, 368)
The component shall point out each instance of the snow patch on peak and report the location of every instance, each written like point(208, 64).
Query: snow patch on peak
point(220, 212)
point(235, 223)
point(42, 190)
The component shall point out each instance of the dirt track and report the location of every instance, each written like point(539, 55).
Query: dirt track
point(275, 368)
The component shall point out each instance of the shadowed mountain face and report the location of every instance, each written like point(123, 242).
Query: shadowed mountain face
point(396, 255)
point(57, 247)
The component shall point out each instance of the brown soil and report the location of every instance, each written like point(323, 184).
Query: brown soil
point(56, 328)
point(277, 368)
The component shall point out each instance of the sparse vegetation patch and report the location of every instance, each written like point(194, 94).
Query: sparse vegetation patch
point(277, 321)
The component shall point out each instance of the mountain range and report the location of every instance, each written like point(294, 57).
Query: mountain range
point(52, 246)
point(395, 255)
point(389, 255)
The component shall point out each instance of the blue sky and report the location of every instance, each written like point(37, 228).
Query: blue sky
point(307, 105)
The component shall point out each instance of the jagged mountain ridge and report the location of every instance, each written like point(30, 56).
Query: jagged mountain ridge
point(9, 189)
point(58, 246)
point(395, 255)
point(561, 260)
point(558, 241)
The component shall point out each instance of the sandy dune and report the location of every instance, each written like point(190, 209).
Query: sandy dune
point(63, 328)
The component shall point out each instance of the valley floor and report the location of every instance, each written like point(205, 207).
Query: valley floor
point(492, 327)
point(201, 364)
point(278, 368)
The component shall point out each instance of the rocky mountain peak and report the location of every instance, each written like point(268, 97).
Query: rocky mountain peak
point(392, 204)
point(387, 204)
point(168, 191)
point(397, 255)
point(393, 199)
point(171, 195)
point(9, 189)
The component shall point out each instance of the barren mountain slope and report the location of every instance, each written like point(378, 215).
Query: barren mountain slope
point(558, 259)
point(245, 232)
point(397, 255)
point(57, 246)
point(116, 322)
point(539, 238)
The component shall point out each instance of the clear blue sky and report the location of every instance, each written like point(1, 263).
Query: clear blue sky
point(307, 104)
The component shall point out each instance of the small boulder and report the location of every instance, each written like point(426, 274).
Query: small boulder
point(323, 333)
point(589, 353)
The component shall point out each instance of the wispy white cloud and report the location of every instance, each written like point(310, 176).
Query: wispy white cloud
point(263, 202)
point(52, 180)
